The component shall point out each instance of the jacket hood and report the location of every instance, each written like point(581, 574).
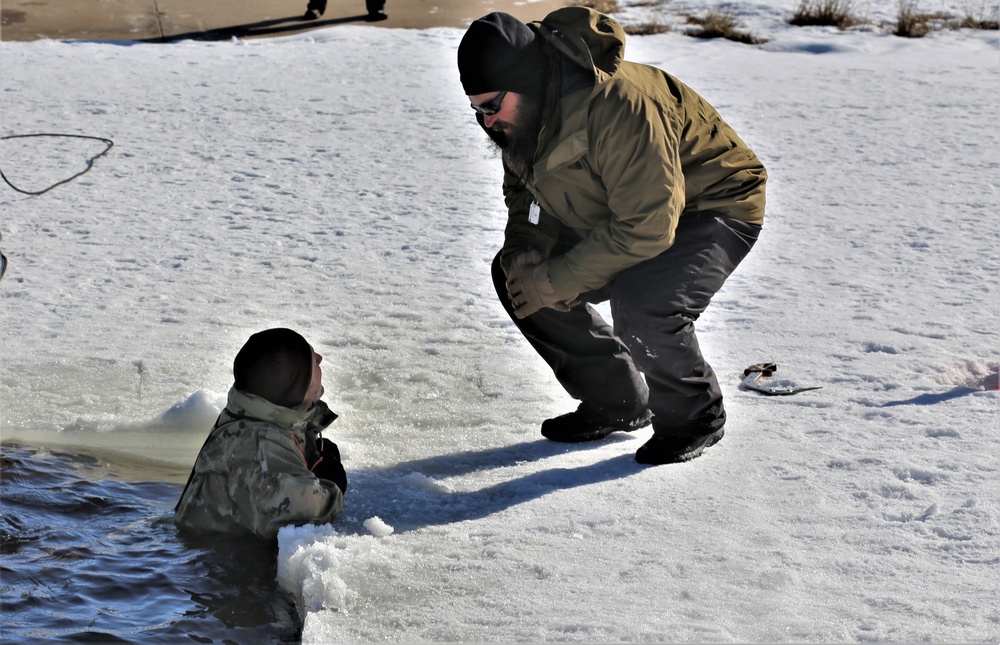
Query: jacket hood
point(587, 37)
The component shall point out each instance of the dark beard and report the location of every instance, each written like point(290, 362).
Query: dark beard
point(518, 149)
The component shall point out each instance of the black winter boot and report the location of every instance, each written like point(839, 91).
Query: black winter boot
point(667, 449)
point(376, 10)
point(314, 9)
point(584, 425)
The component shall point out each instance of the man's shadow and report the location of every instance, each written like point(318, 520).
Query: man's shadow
point(289, 25)
point(408, 495)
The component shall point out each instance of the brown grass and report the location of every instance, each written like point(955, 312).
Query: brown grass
point(985, 18)
point(911, 23)
point(972, 22)
point(825, 13)
point(646, 29)
point(721, 24)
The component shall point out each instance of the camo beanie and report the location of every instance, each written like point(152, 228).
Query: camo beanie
point(499, 52)
point(276, 365)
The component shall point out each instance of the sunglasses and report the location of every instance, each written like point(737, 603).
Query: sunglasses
point(491, 107)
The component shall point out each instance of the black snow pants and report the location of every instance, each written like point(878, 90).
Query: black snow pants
point(654, 306)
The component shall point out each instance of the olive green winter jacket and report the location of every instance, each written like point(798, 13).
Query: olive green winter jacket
point(622, 157)
point(253, 475)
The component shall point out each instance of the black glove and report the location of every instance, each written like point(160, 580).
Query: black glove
point(329, 467)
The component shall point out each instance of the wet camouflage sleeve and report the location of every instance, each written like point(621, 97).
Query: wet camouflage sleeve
point(282, 490)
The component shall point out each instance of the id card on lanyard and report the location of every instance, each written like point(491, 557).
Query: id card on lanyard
point(534, 212)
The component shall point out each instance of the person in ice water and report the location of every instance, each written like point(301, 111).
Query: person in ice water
point(622, 184)
point(265, 464)
point(375, 8)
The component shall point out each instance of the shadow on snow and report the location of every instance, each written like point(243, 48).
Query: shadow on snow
point(408, 496)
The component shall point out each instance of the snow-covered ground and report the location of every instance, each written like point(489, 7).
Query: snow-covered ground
point(335, 182)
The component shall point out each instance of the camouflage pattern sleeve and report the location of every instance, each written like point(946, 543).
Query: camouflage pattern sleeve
point(283, 491)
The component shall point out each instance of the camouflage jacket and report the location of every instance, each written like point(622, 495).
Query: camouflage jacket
point(252, 476)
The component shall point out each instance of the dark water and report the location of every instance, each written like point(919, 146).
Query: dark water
point(86, 556)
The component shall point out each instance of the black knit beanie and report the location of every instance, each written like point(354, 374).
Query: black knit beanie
point(276, 365)
point(499, 52)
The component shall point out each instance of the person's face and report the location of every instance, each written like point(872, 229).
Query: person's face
point(505, 120)
point(316, 389)
point(513, 129)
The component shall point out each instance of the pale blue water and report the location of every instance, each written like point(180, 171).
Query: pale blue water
point(97, 559)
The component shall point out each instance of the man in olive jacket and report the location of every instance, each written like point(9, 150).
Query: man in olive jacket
point(264, 464)
point(621, 184)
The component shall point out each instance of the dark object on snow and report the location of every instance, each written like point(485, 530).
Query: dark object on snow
point(753, 374)
point(3, 261)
